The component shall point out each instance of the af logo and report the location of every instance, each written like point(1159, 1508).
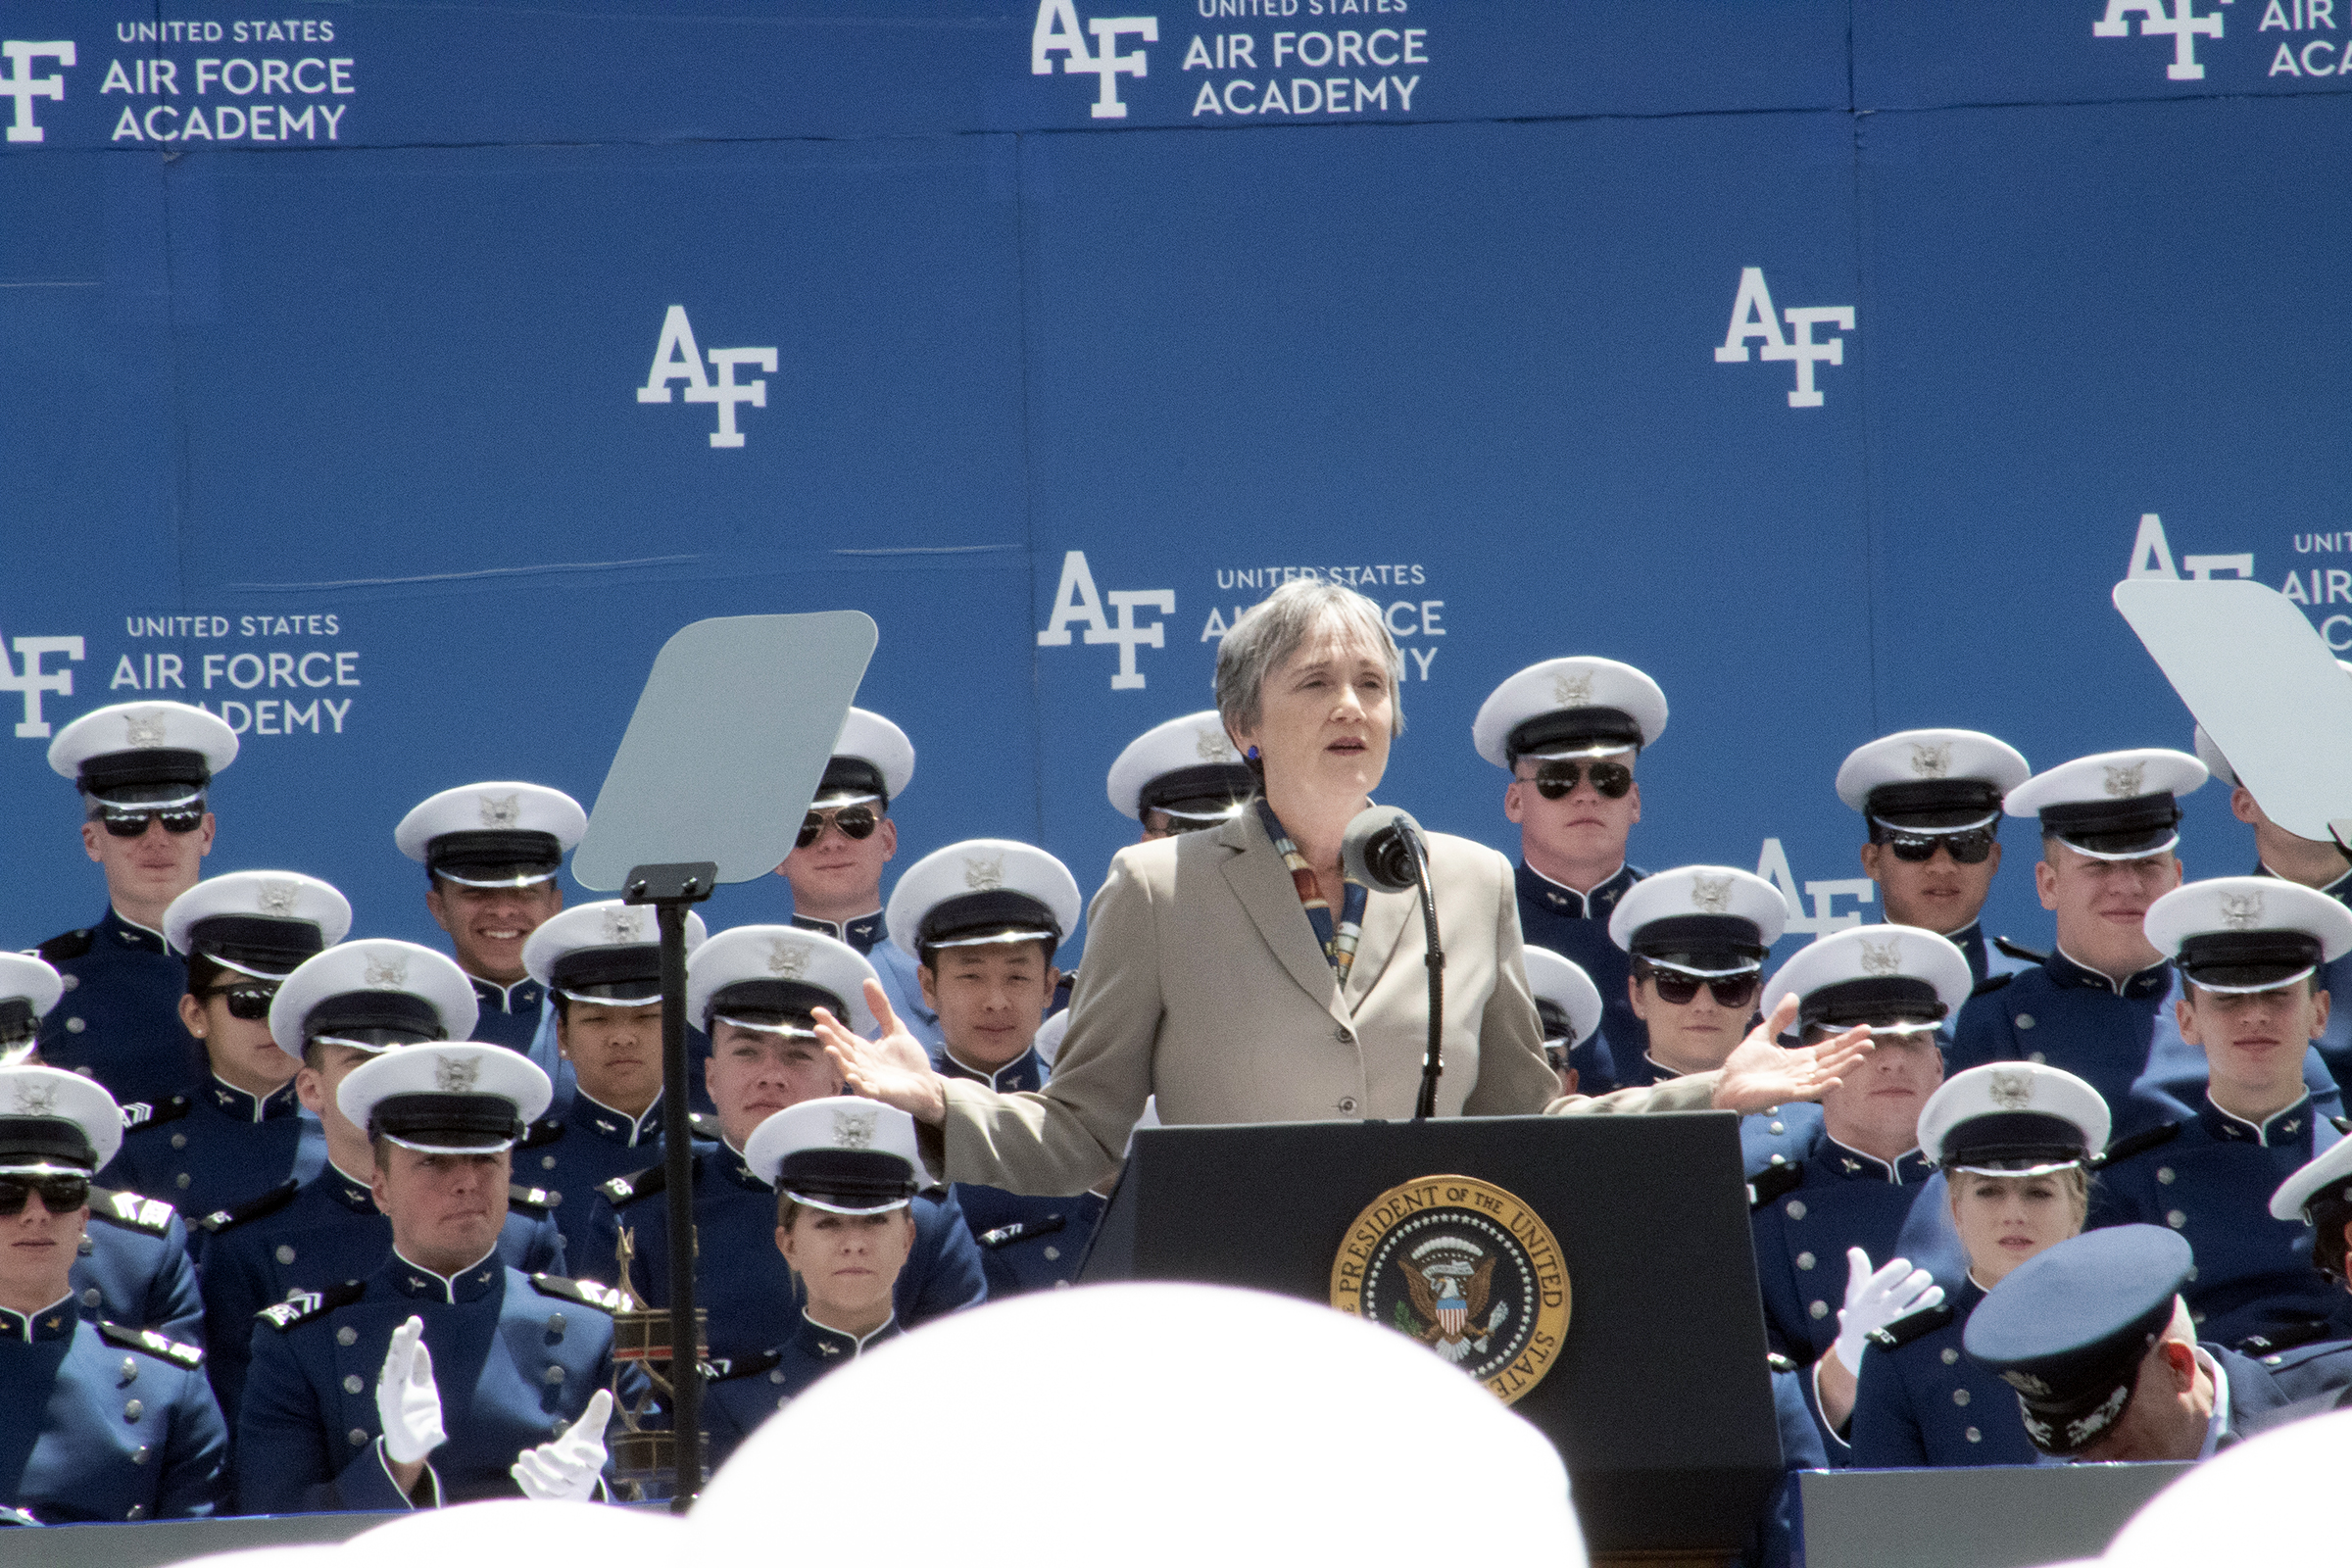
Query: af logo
point(676, 358)
point(32, 682)
point(1076, 603)
point(1057, 33)
point(1465, 1268)
point(1752, 316)
point(2184, 26)
point(24, 86)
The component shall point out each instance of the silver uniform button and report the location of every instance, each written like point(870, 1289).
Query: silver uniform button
point(138, 1455)
point(547, 1162)
point(1819, 1309)
point(2038, 1058)
point(2024, 1020)
point(2176, 1220)
point(132, 1410)
point(138, 1511)
point(1951, 1358)
point(777, 1376)
point(347, 1336)
point(179, 1139)
point(1052, 1254)
point(1959, 1396)
point(2164, 1174)
point(71, 981)
point(351, 1384)
point(1779, 1127)
point(555, 1374)
point(90, 1296)
point(1974, 1436)
point(1796, 1209)
point(75, 1026)
point(1805, 1260)
point(180, 1180)
point(285, 1253)
point(358, 1437)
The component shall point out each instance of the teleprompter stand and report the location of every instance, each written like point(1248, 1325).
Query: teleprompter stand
point(1659, 1400)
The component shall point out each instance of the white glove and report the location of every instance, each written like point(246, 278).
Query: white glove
point(567, 1469)
point(1874, 1300)
point(407, 1402)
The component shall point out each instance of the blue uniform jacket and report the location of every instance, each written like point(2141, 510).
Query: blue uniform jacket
point(1985, 961)
point(101, 1422)
point(119, 1014)
point(1576, 926)
point(1804, 1218)
point(2309, 1371)
point(756, 1388)
point(315, 1235)
point(742, 1281)
point(134, 1267)
point(213, 1146)
point(574, 1152)
point(2212, 1181)
point(897, 971)
point(1923, 1402)
point(1026, 1244)
point(517, 1358)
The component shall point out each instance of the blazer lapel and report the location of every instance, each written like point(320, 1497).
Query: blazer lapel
point(1263, 885)
point(1386, 916)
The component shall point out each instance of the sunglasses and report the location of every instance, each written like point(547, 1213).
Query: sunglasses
point(250, 1002)
point(1680, 990)
point(1971, 847)
point(60, 1195)
point(1556, 779)
point(856, 822)
point(130, 825)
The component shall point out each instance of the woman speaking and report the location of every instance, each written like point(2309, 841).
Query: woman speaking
point(1237, 973)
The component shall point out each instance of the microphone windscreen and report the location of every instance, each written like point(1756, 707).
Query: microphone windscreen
point(1373, 850)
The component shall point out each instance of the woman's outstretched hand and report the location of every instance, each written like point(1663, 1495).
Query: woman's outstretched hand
point(894, 1069)
point(1761, 1073)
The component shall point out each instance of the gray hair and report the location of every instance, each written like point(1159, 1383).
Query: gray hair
point(1279, 625)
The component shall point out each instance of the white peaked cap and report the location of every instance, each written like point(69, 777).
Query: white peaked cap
point(286, 896)
point(1876, 953)
point(1562, 982)
point(507, 1530)
point(143, 727)
point(52, 1094)
point(499, 806)
point(605, 923)
point(377, 966)
point(786, 954)
point(23, 976)
point(1921, 755)
point(1564, 687)
point(984, 871)
point(1263, 1436)
point(1687, 889)
point(869, 738)
point(1197, 740)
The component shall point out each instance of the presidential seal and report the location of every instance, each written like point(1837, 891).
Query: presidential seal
point(1465, 1268)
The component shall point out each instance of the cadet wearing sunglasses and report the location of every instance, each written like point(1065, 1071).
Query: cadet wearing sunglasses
point(1697, 938)
point(142, 770)
point(1569, 732)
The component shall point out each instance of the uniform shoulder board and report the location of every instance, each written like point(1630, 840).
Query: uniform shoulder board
point(1775, 1361)
point(1988, 984)
point(304, 1306)
point(130, 1211)
point(2020, 951)
point(536, 1199)
point(2140, 1142)
point(1903, 1330)
point(1771, 1183)
point(72, 945)
point(585, 1292)
point(270, 1202)
point(2288, 1337)
point(141, 1114)
point(1021, 1231)
point(546, 1130)
point(635, 1185)
point(706, 1126)
point(149, 1343)
point(726, 1369)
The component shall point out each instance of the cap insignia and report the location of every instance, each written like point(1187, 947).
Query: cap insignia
point(2099, 1420)
point(1882, 958)
point(456, 1075)
point(2241, 912)
point(1573, 689)
point(2124, 782)
point(276, 898)
point(853, 1129)
point(624, 925)
point(2027, 1384)
point(2012, 1088)
point(981, 875)
point(388, 973)
point(500, 810)
point(1711, 895)
point(36, 1100)
point(1213, 747)
point(786, 959)
point(1931, 762)
point(143, 729)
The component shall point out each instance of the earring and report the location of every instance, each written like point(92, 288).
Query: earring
point(1251, 753)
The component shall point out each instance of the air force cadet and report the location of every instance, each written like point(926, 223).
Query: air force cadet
point(2318, 1195)
point(1693, 941)
point(1931, 800)
point(1181, 776)
point(491, 852)
point(99, 1420)
point(756, 990)
point(983, 919)
point(340, 1011)
point(238, 1130)
point(835, 867)
point(1569, 731)
point(143, 769)
point(2249, 950)
point(2015, 1142)
point(602, 966)
point(846, 1173)
point(1568, 1004)
point(445, 1375)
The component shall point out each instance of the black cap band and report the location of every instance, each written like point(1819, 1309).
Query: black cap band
point(403, 1012)
point(1701, 941)
point(17, 1019)
point(852, 775)
point(148, 766)
point(496, 848)
point(1933, 803)
point(2248, 961)
point(1875, 999)
point(45, 1138)
point(773, 1002)
point(2141, 824)
point(849, 1177)
point(1554, 1020)
point(634, 964)
point(998, 910)
point(1568, 726)
point(256, 941)
point(1195, 786)
point(459, 1121)
point(2019, 1136)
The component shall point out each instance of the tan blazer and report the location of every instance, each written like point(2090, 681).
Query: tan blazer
point(1203, 984)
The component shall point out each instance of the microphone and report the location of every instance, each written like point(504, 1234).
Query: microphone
point(1384, 848)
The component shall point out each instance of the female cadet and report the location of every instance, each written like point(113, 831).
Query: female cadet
point(2015, 1141)
point(845, 1173)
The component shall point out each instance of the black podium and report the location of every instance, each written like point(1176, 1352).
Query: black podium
point(1658, 1399)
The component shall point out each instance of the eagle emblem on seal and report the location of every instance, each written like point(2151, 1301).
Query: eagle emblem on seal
point(143, 728)
point(1711, 895)
point(500, 810)
point(2124, 782)
point(1930, 761)
point(1449, 1280)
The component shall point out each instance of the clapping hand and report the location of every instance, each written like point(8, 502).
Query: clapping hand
point(567, 1469)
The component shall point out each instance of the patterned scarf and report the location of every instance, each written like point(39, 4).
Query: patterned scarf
point(1339, 946)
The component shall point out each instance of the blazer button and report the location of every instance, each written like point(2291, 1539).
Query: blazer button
point(1347, 1106)
point(1344, 1035)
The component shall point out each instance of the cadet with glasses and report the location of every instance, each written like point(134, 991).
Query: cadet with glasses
point(1931, 799)
point(1694, 940)
point(1569, 731)
point(2016, 1143)
point(100, 1421)
point(143, 769)
point(1181, 777)
point(237, 1131)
